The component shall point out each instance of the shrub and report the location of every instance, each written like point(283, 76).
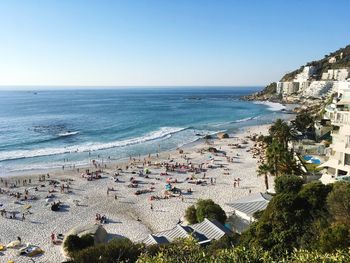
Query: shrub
point(190, 214)
point(205, 209)
point(338, 202)
point(335, 237)
point(208, 209)
point(288, 184)
point(74, 243)
point(118, 250)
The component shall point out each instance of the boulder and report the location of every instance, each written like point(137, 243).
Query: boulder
point(212, 150)
point(222, 135)
point(97, 231)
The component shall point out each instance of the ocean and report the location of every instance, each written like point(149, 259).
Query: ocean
point(46, 129)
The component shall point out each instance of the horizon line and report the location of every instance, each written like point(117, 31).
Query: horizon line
point(33, 87)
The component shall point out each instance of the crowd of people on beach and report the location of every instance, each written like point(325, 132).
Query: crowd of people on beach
point(179, 178)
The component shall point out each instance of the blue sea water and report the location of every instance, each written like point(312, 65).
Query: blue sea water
point(41, 129)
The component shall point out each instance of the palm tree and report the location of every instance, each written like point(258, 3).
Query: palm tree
point(274, 154)
point(281, 132)
point(264, 169)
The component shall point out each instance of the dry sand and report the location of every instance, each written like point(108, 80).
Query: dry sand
point(122, 213)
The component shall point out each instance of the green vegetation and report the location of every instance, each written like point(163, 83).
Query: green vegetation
point(118, 250)
point(312, 216)
point(269, 92)
point(280, 132)
point(342, 61)
point(338, 202)
point(303, 121)
point(279, 159)
point(205, 209)
point(288, 184)
point(74, 243)
point(302, 223)
point(312, 167)
point(264, 170)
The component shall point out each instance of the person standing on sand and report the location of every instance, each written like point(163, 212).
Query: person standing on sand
point(53, 238)
point(151, 207)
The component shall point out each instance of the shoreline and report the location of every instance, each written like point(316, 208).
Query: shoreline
point(130, 215)
point(115, 162)
point(122, 160)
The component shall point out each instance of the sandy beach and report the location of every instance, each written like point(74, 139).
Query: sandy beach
point(128, 215)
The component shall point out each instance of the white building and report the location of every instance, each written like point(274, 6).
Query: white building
point(203, 232)
point(287, 87)
point(245, 208)
point(305, 75)
point(336, 74)
point(317, 89)
point(338, 164)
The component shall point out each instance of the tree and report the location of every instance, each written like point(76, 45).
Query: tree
point(205, 208)
point(281, 132)
point(338, 202)
point(316, 194)
point(281, 225)
point(264, 169)
point(274, 155)
point(335, 237)
point(281, 160)
point(303, 121)
point(288, 184)
point(190, 214)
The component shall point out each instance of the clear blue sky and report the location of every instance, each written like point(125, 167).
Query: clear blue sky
point(165, 42)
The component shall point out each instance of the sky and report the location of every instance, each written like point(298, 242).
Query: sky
point(165, 42)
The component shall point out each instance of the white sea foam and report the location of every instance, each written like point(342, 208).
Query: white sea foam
point(245, 119)
point(164, 132)
point(272, 106)
point(68, 133)
point(235, 121)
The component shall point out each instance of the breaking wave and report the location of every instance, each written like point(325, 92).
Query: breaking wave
point(164, 132)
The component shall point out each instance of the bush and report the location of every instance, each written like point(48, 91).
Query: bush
point(225, 242)
point(335, 237)
point(118, 250)
point(338, 202)
point(316, 194)
point(74, 243)
point(288, 184)
point(206, 208)
point(191, 214)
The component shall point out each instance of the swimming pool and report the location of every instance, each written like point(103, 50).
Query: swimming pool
point(311, 159)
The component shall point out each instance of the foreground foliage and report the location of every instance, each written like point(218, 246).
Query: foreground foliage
point(312, 216)
point(205, 208)
point(302, 223)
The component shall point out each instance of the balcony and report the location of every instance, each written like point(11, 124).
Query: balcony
point(341, 117)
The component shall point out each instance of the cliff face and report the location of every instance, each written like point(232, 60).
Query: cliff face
point(268, 93)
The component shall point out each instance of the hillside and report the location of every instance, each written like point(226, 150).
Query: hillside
point(342, 60)
point(334, 60)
